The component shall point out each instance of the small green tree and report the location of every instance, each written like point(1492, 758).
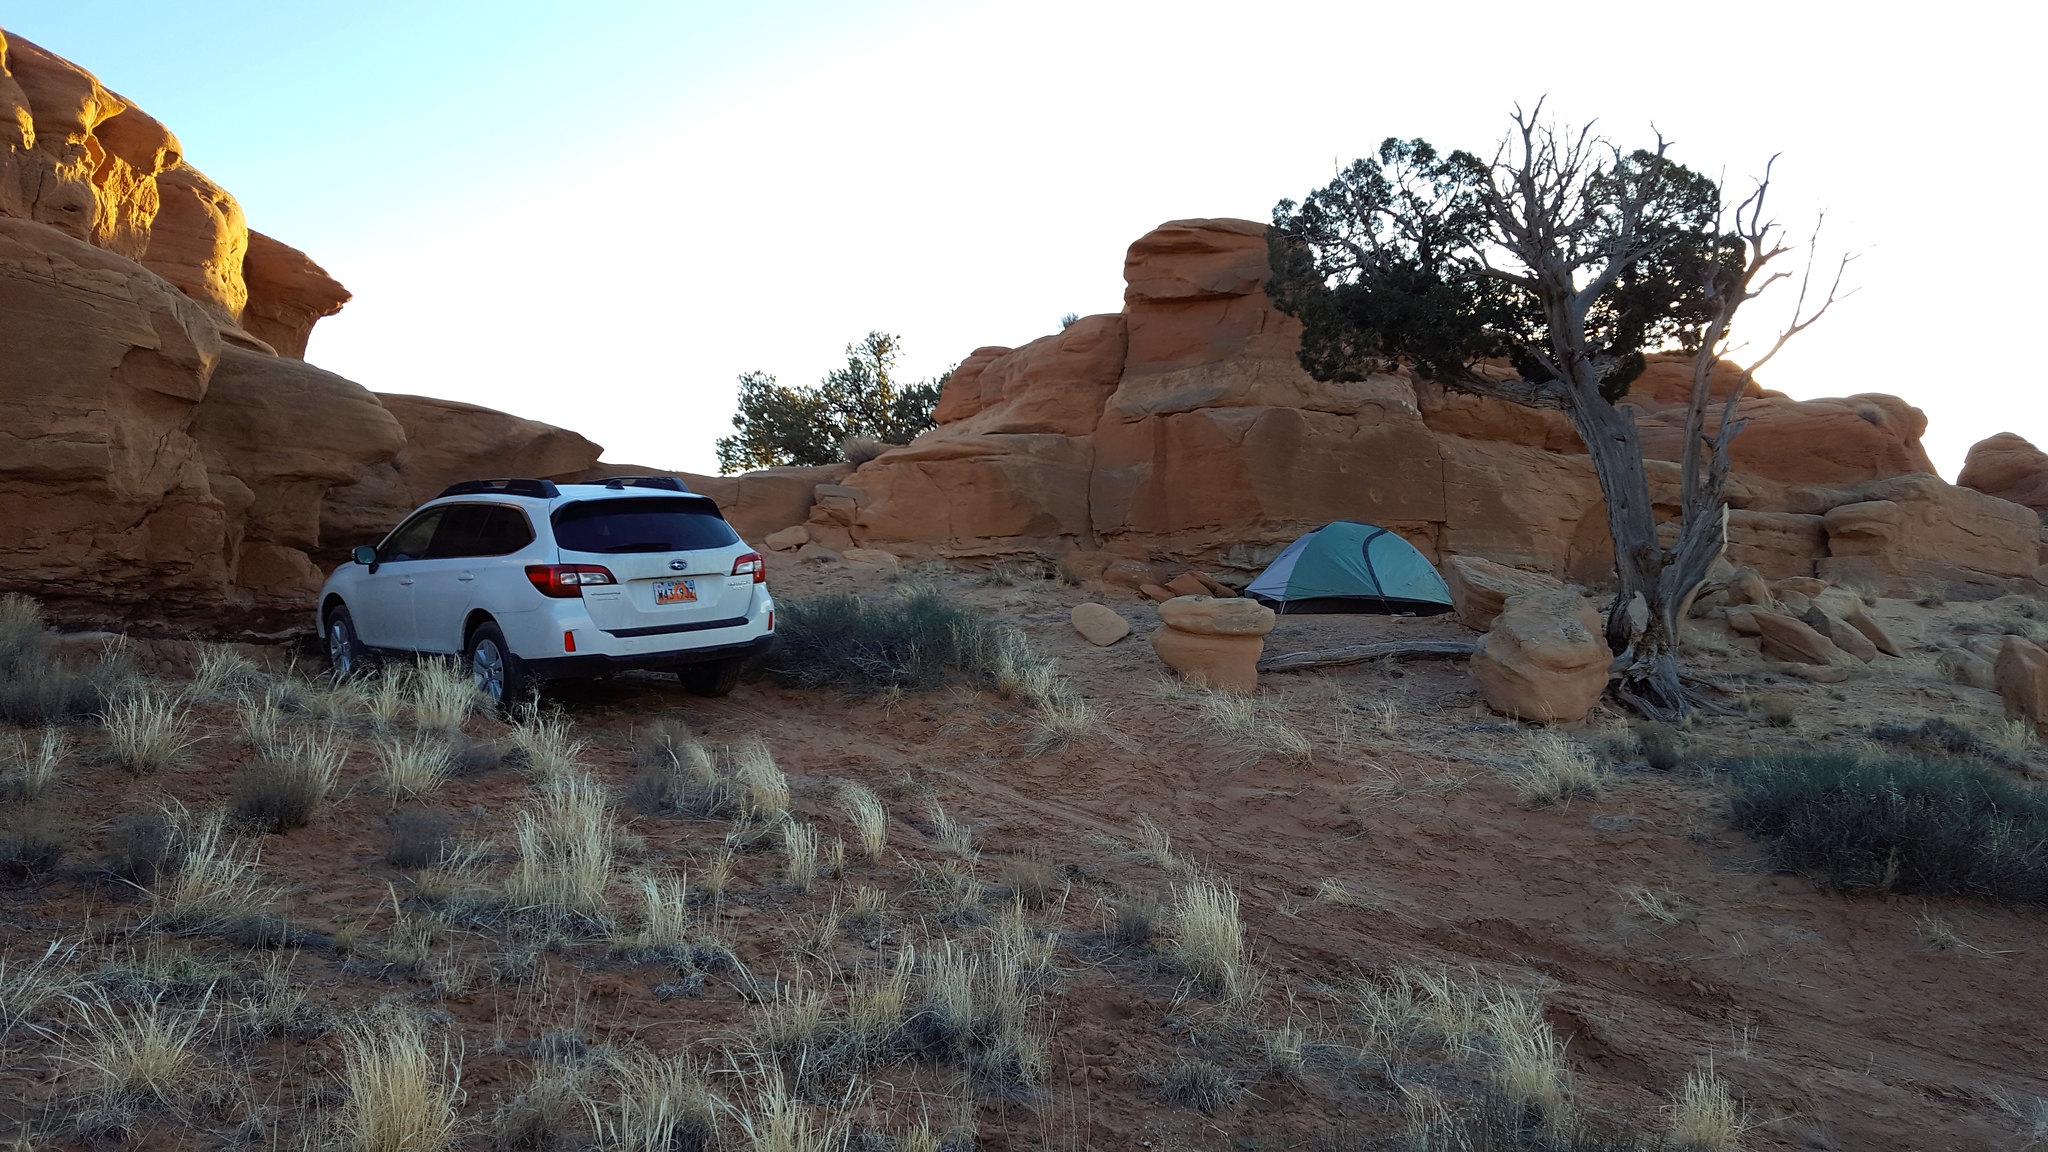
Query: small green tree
point(780, 425)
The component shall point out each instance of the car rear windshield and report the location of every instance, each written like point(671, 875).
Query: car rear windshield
point(641, 524)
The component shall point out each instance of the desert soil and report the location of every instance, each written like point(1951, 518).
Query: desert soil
point(1398, 841)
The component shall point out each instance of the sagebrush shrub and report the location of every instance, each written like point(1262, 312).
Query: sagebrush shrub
point(917, 638)
point(1897, 823)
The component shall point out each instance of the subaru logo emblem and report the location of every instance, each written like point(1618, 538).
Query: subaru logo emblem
point(678, 565)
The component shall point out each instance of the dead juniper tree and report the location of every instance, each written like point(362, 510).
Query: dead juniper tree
point(1542, 277)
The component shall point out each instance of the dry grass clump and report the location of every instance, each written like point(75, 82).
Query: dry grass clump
point(1135, 921)
point(1031, 879)
point(222, 673)
point(1203, 1085)
point(1385, 715)
point(32, 767)
point(800, 851)
point(876, 1002)
point(444, 695)
point(870, 820)
point(287, 785)
point(661, 1106)
point(29, 987)
point(1155, 844)
point(2030, 1115)
point(778, 1122)
point(146, 1054)
point(398, 1097)
point(1528, 1065)
point(33, 841)
point(546, 749)
point(148, 733)
point(383, 696)
point(1237, 718)
point(411, 769)
point(952, 838)
point(567, 840)
point(952, 889)
point(212, 883)
point(1704, 1119)
point(764, 787)
point(972, 1008)
point(1659, 906)
point(37, 685)
point(665, 927)
point(1061, 719)
point(1209, 944)
point(1557, 770)
point(2015, 739)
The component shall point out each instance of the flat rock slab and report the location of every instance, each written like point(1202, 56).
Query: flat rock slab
point(1099, 624)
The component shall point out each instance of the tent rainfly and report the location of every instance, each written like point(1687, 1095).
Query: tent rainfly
point(1346, 566)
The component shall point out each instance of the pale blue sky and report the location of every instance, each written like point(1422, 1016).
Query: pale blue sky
point(598, 215)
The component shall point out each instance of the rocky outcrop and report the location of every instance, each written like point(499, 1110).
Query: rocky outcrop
point(2010, 468)
point(167, 454)
point(1185, 431)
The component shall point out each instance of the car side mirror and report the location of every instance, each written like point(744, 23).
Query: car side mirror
point(364, 554)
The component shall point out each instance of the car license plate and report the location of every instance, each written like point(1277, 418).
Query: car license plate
point(674, 591)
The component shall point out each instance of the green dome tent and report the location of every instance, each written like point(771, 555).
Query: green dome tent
point(1351, 567)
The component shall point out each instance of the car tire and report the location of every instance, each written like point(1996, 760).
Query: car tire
point(497, 673)
point(714, 678)
point(346, 657)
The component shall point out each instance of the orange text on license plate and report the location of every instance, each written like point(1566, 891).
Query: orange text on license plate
point(674, 592)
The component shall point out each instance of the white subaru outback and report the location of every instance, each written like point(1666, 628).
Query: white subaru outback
point(527, 580)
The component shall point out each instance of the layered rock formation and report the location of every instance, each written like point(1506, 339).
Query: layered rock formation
point(167, 454)
point(1183, 429)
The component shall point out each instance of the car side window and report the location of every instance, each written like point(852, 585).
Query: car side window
point(505, 532)
point(413, 537)
point(480, 530)
point(460, 531)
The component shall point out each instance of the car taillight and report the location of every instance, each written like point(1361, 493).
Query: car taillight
point(566, 581)
point(751, 562)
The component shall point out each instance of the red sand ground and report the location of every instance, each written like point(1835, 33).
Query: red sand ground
point(1833, 1019)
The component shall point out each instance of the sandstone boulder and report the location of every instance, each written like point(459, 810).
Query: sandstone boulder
point(1747, 586)
point(1742, 622)
point(2021, 675)
point(1204, 615)
point(1847, 606)
point(1544, 658)
point(1480, 588)
point(873, 558)
point(2010, 468)
point(1099, 624)
point(1966, 667)
point(1840, 633)
point(1155, 592)
point(1188, 584)
point(787, 540)
point(1793, 642)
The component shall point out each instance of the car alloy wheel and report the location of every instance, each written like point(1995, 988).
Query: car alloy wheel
point(340, 653)
point(487, 668)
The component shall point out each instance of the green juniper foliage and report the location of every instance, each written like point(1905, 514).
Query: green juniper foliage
point(1397, 260)
point(779, 424)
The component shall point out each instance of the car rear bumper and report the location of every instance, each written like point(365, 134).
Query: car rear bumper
point(599, 664)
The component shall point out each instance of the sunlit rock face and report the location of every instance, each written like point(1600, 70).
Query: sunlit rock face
point(1184, 429)
point(167, 454)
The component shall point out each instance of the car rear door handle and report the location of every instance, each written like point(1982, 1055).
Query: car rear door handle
point(467, 576)
point(405, 579)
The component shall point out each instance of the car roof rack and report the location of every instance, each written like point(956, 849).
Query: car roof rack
point(503, 486)
point(665, 483)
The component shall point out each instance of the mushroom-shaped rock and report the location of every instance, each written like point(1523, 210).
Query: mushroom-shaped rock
point(1544, 659)
point(1215, 642)
point(1099, 624)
